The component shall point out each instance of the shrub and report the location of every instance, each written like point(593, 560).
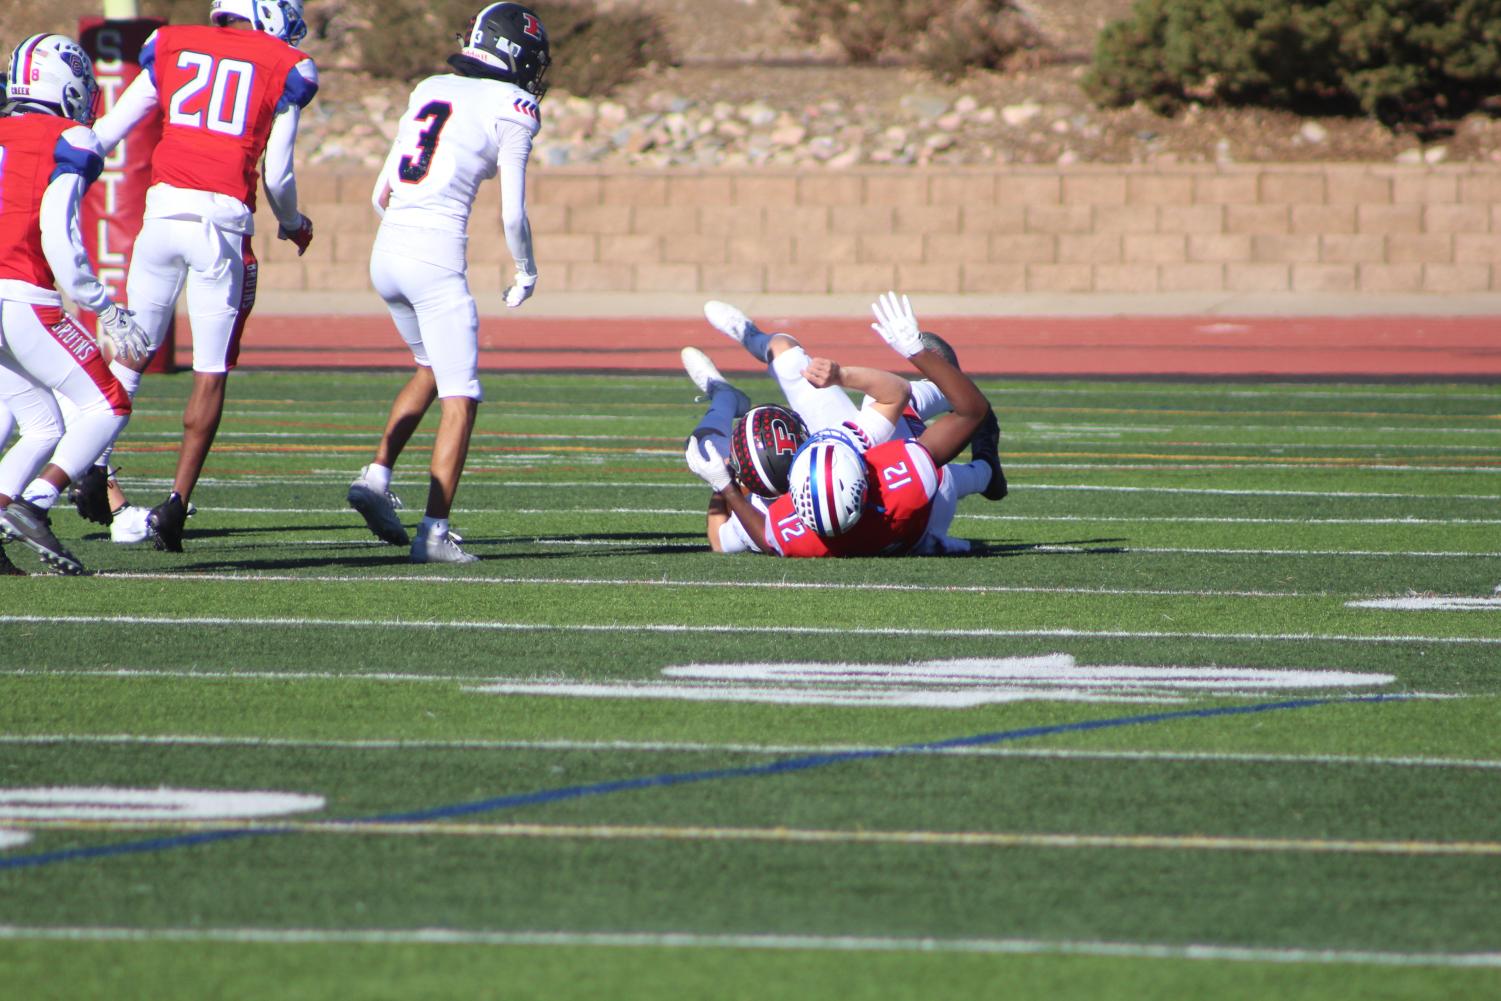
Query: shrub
point(947, 37)
point(593, 51)
point(1403, 61)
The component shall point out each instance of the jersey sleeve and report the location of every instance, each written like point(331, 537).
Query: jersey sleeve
point(78, 152)
point(147, 59)
point(300, 88)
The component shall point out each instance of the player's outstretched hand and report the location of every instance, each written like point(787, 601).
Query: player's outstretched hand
point(897, 324)
point(301, 236)
point(521, 288)
point(126, 339)
point(707, 464)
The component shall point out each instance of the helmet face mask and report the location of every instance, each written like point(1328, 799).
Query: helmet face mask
point(506, 41)
point(828, 483)
point(762, 445)
point(55, 72)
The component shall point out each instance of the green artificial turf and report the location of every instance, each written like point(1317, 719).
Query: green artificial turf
point(1247, 840)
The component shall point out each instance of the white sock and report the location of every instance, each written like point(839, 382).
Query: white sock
point(377, 476)
point(41, 493)
point(432, 528)
point(969, 477)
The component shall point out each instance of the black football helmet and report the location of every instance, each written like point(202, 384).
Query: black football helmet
point(761, 448)
point(505, 41)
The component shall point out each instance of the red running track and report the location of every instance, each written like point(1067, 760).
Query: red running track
point(1192, 347)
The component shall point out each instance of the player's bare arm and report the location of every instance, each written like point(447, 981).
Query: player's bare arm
point(889, 393)
point(945, 439)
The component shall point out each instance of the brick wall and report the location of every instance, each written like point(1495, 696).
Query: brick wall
point(1242, 229)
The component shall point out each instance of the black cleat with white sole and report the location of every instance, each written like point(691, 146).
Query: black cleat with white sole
point(26, 523)
point(165, 522)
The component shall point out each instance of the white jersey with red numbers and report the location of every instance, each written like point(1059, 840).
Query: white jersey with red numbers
point(219, 90)
point(903, 484)
point(36, 152)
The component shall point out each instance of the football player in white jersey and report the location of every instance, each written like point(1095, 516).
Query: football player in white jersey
point(459, 129)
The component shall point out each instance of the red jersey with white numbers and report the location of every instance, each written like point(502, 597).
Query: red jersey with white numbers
point(219, 89)
point(34, 150)
point(903, 482)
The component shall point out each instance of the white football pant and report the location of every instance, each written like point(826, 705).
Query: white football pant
point(435, 315)
point(44, 350)
point(218, 269)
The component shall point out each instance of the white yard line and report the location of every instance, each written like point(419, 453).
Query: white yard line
point(1029, 518)
point(771, 585)
point(342, 478)
point(287, 622)
point(763, 941)
point(759, 750)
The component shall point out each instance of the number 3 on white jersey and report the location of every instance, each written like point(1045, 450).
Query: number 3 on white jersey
point(227, 104)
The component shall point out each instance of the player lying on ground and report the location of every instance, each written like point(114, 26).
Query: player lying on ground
point(852, 491)
point(230, 92)
point(459, 129)
point(48, 158)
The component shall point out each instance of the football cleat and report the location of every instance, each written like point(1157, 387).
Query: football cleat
point(7, 568)
point(378, 508)
point(762, 445)
point(29, 524)
point(939, 347)
point(728, 320)
point(129, 525)
point(828, 483)
point(985, 446)
point(164, 524)
point(439, 547)
point(708, 380)
point(90, 495)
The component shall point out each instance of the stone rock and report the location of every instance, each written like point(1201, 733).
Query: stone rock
point(1020, 114)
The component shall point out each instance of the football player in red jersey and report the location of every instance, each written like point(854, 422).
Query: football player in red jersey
point(48, 158)
point(849, 496)
point(230, 92)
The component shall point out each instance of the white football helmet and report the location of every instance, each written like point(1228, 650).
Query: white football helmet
point(280, 18)
point(828, 483)
point(55, 72)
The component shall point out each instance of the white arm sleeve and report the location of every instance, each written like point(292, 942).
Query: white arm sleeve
point(378, 194)
point(515, 149)
point(281, 182)
point(62, 244)
point(138, 101)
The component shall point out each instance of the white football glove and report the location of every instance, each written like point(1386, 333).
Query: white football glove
point(707, 464)
point(897, 324)
point(521, 288)
point(127, 340)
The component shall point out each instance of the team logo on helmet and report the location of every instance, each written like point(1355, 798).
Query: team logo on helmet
point(828, 483)
point(505, 41)
point(762, 446)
